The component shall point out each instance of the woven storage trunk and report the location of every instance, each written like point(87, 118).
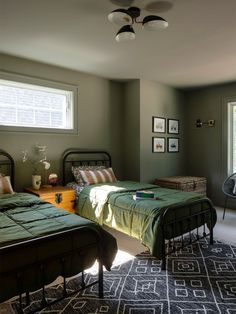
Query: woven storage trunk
point(184, 183)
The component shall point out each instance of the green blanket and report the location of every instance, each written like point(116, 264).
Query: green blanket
point(113, 204)
point(25, 217)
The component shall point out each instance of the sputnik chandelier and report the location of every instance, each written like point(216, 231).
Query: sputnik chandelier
point(127, 19)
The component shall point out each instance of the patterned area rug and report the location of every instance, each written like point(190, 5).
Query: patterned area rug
point(201, 279)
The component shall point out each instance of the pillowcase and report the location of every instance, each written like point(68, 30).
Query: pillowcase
point(98, 176)
point(5, 185)
point(77, 175)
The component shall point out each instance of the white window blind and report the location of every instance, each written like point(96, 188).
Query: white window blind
point(35, 106)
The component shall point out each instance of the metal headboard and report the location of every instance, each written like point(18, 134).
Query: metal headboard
point(78, 157)
point(7, 165)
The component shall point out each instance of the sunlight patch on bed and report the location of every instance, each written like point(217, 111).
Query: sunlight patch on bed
point(98, 196)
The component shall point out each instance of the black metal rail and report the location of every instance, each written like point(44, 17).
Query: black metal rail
point(193, 222)
point(8, 161)
point(41, 266)
point(77, 157)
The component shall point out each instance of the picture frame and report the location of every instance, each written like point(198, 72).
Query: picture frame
point(173, 145)
point(158, 125)
point(173, 126)
point(158, 144)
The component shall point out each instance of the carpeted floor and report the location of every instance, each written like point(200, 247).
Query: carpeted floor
point(200, 279)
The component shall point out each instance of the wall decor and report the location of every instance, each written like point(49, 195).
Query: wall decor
point(158, 144)
point(158, 125)
point(173, 126)
point(173, 144)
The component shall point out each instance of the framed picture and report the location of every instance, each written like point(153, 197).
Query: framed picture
point(173, 144)
point(158, 125)
point(173, 126)
point(158, 144)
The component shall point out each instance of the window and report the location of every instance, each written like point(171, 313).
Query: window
point(37, 105)
point(232, 137)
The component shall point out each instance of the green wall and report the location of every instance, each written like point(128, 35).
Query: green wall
point(130, 130)
point(207, 146)
point(143, 100)
point(99, 110)
point(162, 101)
point(117, 117)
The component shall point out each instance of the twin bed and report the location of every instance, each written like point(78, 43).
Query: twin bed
point(171, 214)
point(39, 242)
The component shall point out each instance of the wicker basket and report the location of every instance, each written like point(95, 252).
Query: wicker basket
point(184, 183)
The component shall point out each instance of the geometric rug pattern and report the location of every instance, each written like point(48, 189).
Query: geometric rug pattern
point(200, 279)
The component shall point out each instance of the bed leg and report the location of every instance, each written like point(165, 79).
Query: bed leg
point(211, 237)
point(100, 280)
point(82, 279)
point(163, 263)
point(163, 253)
point(21, 305)
point(27, 298)
point(19, 285)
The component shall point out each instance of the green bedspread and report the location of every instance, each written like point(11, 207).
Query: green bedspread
point(113, 204)
point(24, 217)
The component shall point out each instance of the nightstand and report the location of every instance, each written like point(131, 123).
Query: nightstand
point(59, 196)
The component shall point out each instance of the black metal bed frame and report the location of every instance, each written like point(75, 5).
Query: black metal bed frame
point(18, 273)
point(78, 157)
point(8, 165)
point(72, 157)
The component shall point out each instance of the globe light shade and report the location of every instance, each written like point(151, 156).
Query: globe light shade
point(154, 22)
point(120, 17)
point(126, 33)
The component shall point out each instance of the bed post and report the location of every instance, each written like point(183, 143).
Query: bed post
point(163, 254)
point(100, 280)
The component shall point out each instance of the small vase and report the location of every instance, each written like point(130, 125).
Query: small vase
point(36, 182)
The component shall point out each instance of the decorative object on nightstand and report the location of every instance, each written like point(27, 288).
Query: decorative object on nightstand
point(53, 178)
point(59, 196)
point(38, 161)
point(36, 181)
point(184, 183)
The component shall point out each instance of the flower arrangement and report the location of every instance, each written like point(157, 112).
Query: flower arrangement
point(39, 160)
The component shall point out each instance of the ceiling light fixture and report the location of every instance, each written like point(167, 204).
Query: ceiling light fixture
point(128, 17)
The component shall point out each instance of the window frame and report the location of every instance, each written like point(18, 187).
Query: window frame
point(44, 83)
point(230, 129)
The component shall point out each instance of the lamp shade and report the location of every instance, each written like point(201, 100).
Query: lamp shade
point(153, 22)
point(125, 33)
point(120, 17)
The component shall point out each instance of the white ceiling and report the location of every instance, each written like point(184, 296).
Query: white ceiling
point(198, 48)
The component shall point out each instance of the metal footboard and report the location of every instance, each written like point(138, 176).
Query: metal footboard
point(194, 224)
point(41, 267)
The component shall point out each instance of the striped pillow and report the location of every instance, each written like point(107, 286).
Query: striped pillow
point(5, 185)
point(98, 176)
point(77, 175)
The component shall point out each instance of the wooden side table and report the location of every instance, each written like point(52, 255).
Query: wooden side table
point(59, 196)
